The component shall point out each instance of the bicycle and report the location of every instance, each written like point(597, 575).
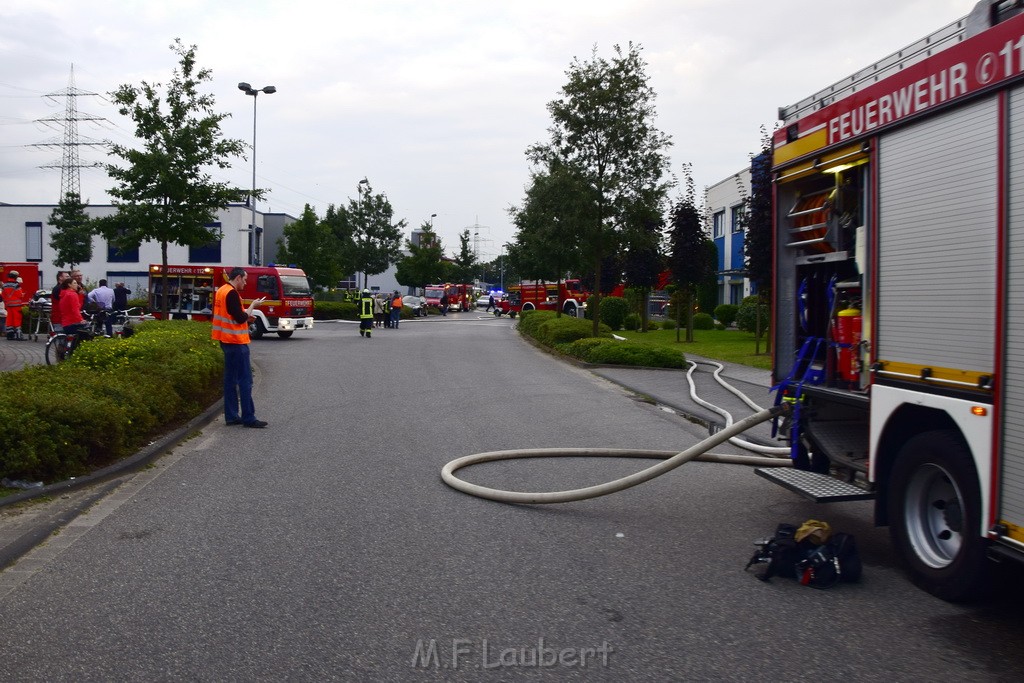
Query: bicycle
point(61, 345)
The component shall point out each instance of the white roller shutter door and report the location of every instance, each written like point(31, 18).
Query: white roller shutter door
point(937, 240)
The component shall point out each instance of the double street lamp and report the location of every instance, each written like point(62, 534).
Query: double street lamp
point(253, 233)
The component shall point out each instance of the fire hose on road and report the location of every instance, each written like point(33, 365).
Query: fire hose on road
point(670, 461)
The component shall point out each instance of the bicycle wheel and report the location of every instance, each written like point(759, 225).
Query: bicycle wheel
point(56, 348)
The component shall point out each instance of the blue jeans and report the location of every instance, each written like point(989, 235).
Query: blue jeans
point(237, 383)
point(395, 315)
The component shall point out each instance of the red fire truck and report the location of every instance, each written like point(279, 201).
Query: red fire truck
point(530, 295)
point(288, 304)
point(459, 296)
point(27, 271)
point(899, 325)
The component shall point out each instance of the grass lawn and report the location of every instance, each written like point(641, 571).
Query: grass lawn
point(727, 345)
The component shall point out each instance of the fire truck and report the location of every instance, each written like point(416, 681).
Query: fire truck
point(899, 319)
point(287, 305)
point(459, 296)
point(530, 295)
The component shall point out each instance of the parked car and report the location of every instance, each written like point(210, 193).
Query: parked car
point(417, 303)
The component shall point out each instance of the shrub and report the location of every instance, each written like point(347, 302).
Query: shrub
point(106, 400)
point(335, 310)
point(719, 326)
point(632, 322)
point(613, 311)
point(652, 325)
point(726, 314)
point(746, 316)
point(703, 321)
point(614, 352)
point(668, 324)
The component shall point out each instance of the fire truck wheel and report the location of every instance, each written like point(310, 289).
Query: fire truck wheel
point(256, 329)
point(285, 335)
point(570, 310)
point(935, 516)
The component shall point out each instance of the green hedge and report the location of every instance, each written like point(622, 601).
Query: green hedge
point(571, 336)
point(614, 310)
point(107, 400)
point(615, 352)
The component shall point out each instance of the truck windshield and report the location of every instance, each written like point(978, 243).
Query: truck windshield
point(434, 292)
point(295, 285)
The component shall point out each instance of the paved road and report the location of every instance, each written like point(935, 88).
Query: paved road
point(326, 546)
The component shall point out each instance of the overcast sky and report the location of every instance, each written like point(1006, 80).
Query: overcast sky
point(435, 102)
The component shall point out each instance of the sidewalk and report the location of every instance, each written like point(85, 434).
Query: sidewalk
point(15, 355)
point(670, 388)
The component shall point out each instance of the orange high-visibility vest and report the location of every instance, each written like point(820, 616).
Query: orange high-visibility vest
point(396, 302)
point(225, 329)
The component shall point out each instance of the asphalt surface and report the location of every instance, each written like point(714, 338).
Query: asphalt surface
point(325, 547)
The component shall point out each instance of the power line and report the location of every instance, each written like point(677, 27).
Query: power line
point(70, 164)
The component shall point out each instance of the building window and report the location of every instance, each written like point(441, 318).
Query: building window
point(117, 255)
point(736, 294)
point(349, 282)
point(737, 218)
point(719, 224)
point(33, 241)
point(209, 252)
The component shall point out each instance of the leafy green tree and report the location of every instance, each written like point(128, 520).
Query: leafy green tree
point(165, 192)
point(464, 266)
point(602, 130)
point(690, 260)
point(557, 208)
point(642, 259)
point(310, 243)
point(757, 242)
point(370, 241)
point(424, 264)
point(71, 239)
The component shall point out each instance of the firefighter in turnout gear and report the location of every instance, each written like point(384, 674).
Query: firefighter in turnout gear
point(366, 314)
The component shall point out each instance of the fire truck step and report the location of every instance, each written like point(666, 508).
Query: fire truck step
point(820, 488)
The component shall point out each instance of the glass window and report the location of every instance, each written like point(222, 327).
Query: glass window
point(737, 218)
point(209, 252)
point(719, 224)
point(33, 241)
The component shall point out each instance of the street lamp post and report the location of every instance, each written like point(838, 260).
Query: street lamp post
point(253, 234)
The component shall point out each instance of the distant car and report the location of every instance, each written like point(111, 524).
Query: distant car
point(417, 303)
point(483, 301)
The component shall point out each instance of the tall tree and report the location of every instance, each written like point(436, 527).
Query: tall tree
point(165, 192)
point(71, 239)
point(602, 129)
point(757, 243)
point(309, 243)
point(557, 208)
point(642, 260)
point(690, 259)
point(424, 265)
point(464, 265)
point(375, 241)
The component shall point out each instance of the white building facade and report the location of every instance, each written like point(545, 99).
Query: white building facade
point(725, 202)
point(25, 232)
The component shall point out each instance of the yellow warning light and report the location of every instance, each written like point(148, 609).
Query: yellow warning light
point(980, 411)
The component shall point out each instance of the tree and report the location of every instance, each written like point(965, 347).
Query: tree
point(690, 260)
point(602, 130)
point(374, 242)
point(758, 240)
point(71, 239)
point(424, 265)
point(165, 192)
point(309, 243)
point(557, 207)
point(642, 260)
point(464, 265)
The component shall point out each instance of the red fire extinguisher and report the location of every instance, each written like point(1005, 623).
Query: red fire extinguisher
point(847, 334)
